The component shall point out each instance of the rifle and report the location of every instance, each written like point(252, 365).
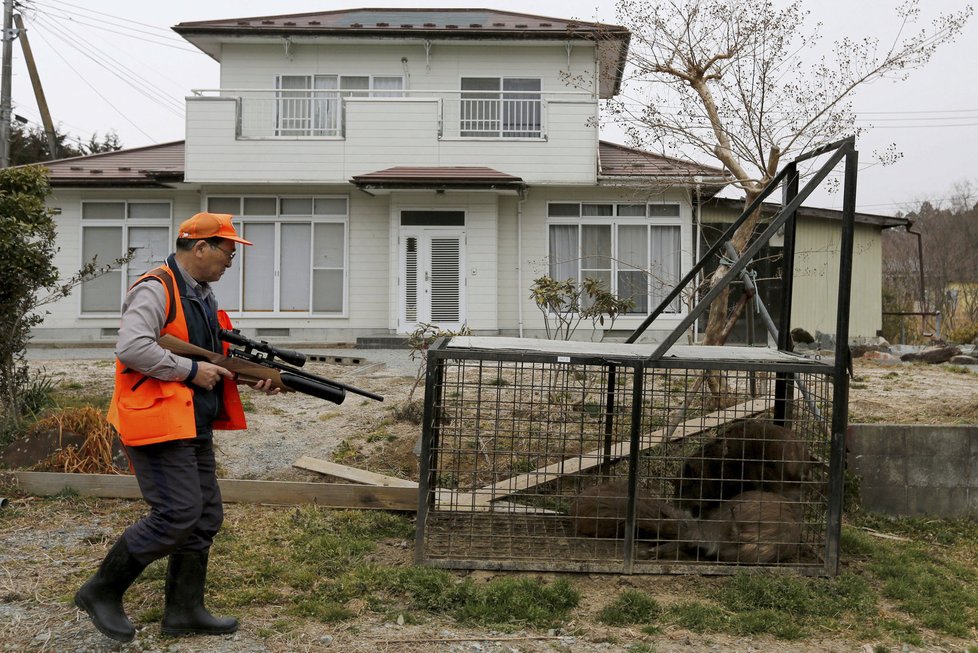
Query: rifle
point(250, 366)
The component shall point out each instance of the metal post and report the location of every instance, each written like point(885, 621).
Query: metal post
point(840, 394)
point(433, 388)
point(5, 82)
point(633, 458)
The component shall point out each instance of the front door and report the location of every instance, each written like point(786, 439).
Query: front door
point(431, 282)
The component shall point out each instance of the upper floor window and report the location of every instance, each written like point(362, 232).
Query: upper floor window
point(501, 107)
point(634, 250)
point(299, 261)
point(310, 105)
point(108, 231)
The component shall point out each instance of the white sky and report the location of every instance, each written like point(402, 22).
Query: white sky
point(115, 65)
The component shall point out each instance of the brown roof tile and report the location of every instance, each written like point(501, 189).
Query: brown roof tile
point(438, 177)
point(394, 19)
point(616, 160)
point(140, 166)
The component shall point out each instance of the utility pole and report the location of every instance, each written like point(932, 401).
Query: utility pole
point(42, 103)
point(5, 82)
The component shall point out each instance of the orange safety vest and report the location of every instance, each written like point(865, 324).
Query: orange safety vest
point(146, 410)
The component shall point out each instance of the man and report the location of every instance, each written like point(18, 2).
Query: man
point(165, 408)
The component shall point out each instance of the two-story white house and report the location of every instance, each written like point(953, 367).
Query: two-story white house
point(394, 167)
point(404, 166)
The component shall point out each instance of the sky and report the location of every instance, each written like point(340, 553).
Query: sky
point(116, 65)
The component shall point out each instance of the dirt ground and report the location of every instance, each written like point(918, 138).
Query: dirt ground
point(36, 580)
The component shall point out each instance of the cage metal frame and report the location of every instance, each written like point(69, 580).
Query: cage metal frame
point(787, 373)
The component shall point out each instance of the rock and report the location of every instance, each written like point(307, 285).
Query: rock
point(963, 360)
point(933, 355)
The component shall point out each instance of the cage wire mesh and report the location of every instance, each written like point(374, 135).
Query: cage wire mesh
point(543, 462)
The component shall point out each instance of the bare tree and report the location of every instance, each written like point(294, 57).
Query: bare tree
point(730, 78)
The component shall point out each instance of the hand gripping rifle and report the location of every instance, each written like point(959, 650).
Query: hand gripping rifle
point(256, 361)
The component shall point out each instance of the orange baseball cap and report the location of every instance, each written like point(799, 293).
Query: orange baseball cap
point(209, 225)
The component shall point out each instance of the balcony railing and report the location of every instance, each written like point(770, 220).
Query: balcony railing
point(323, 113)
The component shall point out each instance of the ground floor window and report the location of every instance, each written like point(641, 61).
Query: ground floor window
point(298, 264)
point(634, 250)
point(109, 229)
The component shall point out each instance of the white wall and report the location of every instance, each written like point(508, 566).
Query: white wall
point(382, 133)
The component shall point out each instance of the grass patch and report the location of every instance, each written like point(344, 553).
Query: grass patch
point(786, 607)
point(697, 616)
point(516, 602)
point(630, 607)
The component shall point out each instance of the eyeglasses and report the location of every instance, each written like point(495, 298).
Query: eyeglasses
point(230, 255)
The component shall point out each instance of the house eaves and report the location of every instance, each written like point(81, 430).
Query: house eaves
point(438, 179)
point(153, 166)
point(619, 165)
point(769, 209)
point(419, 25)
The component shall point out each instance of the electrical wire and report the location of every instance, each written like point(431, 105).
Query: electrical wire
point(96, 91)
point(136, 81)
point(141, 35)
point(61, 20)
point(100, 13)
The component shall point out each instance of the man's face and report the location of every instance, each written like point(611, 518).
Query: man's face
point(213, 260)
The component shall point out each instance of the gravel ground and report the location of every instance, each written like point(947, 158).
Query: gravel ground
point(40, 561)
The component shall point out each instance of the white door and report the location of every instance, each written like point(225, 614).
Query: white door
point(431, 282)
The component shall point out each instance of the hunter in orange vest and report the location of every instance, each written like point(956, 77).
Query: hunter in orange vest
point(165, 408)
point(146, 410)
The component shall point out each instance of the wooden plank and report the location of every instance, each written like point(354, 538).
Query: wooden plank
point(484, 495)
point(330, 495)
point(351, 473)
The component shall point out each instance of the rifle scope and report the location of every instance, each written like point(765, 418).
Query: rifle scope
point(290, 356)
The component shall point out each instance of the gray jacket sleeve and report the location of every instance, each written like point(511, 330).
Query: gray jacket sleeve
point(143, 314)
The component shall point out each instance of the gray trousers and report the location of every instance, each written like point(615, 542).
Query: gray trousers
point(179, 482)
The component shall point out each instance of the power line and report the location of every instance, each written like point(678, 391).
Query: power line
point(119, 18)
point(163, 99)
point(155, 71)
point(96, 91)
point(132, 36)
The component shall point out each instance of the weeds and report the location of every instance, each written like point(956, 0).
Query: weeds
point(630, 607)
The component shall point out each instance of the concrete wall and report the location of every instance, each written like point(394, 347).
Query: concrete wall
point(909, 470)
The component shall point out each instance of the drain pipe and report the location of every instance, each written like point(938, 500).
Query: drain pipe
point(519, 259)
point(920, 270)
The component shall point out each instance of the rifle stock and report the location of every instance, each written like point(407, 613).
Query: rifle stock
point(251, 373)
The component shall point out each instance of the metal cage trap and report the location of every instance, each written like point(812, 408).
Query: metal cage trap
point(569, 456)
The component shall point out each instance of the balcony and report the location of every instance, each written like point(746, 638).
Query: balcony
point(331, 135)
point(461, 114)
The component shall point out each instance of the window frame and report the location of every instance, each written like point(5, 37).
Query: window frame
point(330, 97)
point(124, 224)
point(614, 221)
point(500, 96)
point(240, 221)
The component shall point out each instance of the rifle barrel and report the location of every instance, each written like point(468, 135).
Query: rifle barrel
point(314, 388)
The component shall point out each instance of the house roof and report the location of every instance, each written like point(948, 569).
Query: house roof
point(616, 160)
point(420, 24)
point(150, 166)
point(770, 208)
point(438, 178)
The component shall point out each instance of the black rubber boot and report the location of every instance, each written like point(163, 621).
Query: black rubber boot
point(185, 613)
point(101, 596)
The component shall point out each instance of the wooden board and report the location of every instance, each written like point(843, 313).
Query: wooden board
point(330, 495)
point(351, 473)
point(588, 460)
